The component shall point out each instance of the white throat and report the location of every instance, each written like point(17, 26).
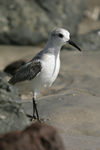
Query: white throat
point(52, 48)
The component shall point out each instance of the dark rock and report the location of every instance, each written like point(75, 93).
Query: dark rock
point(38, 136)
point(2, 74)
point(14, 66)
point(30, 22)
point(12, 115)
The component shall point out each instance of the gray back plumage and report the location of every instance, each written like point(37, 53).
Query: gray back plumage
point(27, 72)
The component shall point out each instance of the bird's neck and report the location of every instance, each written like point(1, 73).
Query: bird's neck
point(52, 48)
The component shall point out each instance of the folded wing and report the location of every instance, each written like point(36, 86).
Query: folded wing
point(27, 72)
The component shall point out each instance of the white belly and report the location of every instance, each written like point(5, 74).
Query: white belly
point(49, 72)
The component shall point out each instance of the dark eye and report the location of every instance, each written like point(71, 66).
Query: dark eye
point(60, 35)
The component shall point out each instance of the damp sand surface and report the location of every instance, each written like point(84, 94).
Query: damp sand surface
point(72, 103)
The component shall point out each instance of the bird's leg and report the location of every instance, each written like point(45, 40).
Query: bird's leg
point(34, 108)
point(35, 111)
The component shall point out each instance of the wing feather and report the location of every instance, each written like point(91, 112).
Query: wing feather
point(27, 72)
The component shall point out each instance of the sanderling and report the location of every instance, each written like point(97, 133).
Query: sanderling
point(42, 70)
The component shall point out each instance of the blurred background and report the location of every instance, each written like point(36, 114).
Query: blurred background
point(29, 22)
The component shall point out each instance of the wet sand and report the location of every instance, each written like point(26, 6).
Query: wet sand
point(72, 103)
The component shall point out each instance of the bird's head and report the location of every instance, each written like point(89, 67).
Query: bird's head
point(61, 37)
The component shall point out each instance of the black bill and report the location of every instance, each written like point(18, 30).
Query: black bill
point(73, 44)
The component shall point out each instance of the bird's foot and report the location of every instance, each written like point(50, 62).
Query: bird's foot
point(34, 117)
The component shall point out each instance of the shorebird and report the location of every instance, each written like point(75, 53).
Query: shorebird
point(41, 71)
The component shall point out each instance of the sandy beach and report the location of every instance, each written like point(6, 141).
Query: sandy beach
point(72, 103)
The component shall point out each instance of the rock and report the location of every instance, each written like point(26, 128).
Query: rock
point(2, 74)
point(38, 136)
point(30, 22)
point(14, 66)
point(12, 115)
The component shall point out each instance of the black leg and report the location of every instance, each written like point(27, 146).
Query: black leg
point(34, 108)
point(35, 111)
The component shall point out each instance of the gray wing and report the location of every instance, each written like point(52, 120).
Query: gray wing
point(27, 72)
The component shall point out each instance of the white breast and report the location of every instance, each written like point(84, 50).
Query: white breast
point(49, 72)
